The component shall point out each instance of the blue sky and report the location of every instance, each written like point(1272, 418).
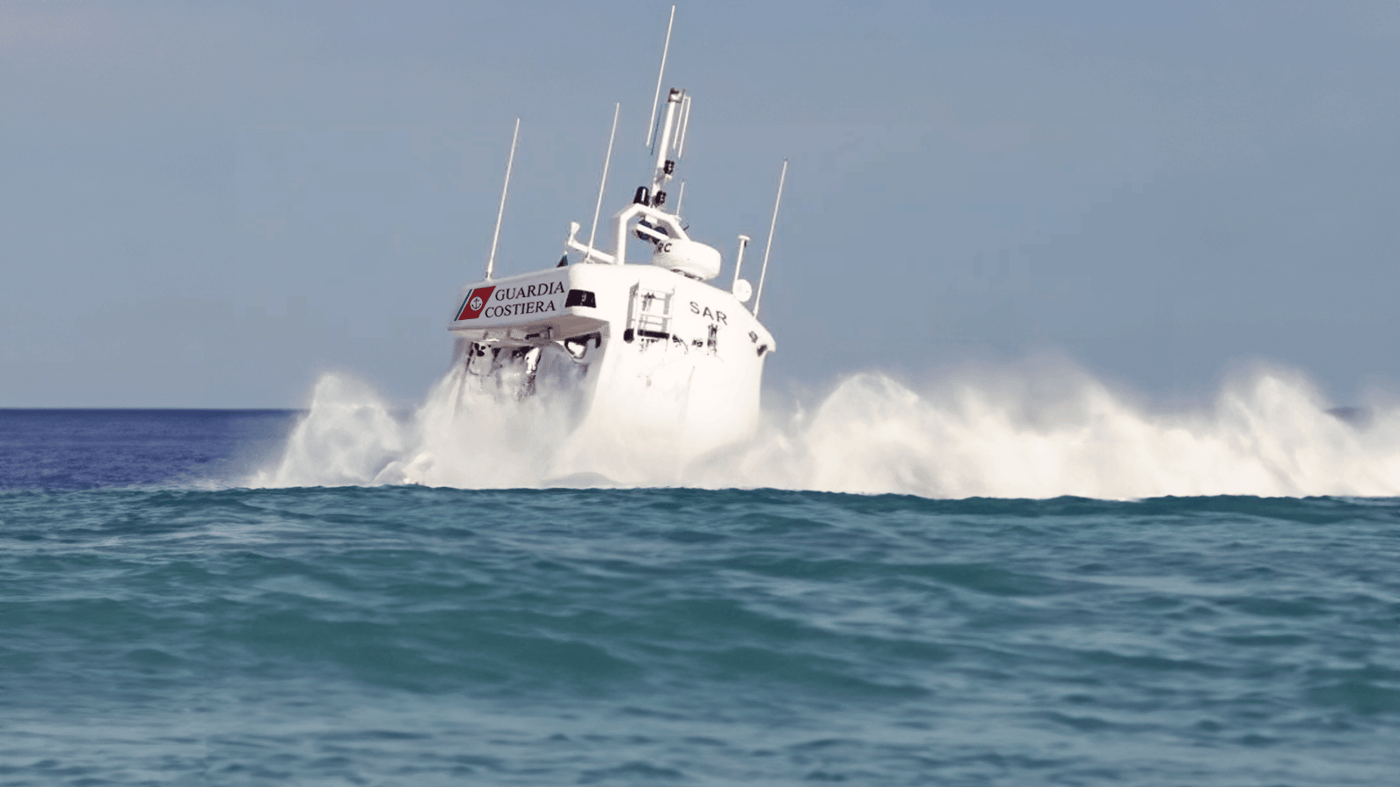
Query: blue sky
point(208, 205)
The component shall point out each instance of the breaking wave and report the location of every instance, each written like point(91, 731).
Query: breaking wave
point(1001, 435)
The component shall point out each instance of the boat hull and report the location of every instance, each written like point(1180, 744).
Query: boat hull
point(645, 356)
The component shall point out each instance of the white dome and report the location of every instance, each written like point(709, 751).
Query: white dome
point(688, 258)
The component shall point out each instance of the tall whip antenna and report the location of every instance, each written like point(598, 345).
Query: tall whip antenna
point(651, 124)
point(769, 246)
point(593, 231)
point(501, 212)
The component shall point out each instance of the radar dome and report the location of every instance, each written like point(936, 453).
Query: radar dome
point(688, 258)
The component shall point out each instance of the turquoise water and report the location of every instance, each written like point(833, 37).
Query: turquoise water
point(173, 634)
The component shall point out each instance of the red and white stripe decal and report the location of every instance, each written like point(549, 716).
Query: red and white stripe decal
point(475, 301)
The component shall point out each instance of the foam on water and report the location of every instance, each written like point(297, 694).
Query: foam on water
point(1004, 435)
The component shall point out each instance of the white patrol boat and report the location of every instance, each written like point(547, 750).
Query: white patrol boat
point(648, 349)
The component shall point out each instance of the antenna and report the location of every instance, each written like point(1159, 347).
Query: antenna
point(685, 123)
point(769, 247)
point(500, 213)
point(739, 258)
point(593, 231)
point(656, 99)
point(680, 199)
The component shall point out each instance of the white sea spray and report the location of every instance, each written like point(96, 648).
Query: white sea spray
point(1009, 434)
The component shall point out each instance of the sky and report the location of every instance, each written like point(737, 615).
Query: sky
point(211, 204)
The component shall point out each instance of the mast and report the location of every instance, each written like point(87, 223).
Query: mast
point(763, 273)
point(669, 136)
point(598, 207)
point(501, 212)
point(651, 124)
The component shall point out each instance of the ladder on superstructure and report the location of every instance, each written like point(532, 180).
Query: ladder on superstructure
point(650, 317)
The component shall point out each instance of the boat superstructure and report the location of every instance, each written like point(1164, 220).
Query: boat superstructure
point(646, 347)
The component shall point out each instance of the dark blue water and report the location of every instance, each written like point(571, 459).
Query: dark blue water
point(160, 627)
point(91, 449)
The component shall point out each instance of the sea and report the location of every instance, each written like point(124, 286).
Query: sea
point(989, 581)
